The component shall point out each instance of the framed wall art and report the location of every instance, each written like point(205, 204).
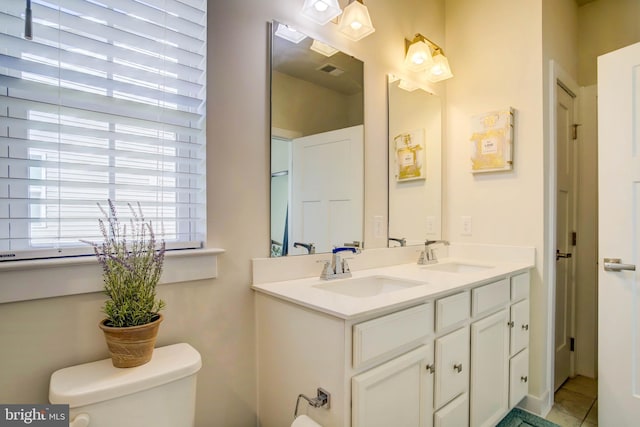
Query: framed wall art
point(492, 141)
point(410, 155)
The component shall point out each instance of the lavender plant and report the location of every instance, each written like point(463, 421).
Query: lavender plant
point(131, 268)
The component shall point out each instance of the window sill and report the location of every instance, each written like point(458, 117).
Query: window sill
point(29, 280)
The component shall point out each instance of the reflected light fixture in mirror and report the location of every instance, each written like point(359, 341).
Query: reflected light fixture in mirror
point(321, 11)
point(289, 33)
point(423, 54)
point(407, 85)
point(355, 23)
point(323, 48)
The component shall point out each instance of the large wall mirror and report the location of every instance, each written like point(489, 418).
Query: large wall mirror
point(317, 145)
point(415, 167)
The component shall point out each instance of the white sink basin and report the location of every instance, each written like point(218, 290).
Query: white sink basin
point(367, 286)
point(456, 267)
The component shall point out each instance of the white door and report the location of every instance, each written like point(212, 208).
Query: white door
point(398, 393)
point(327, 197)
point(564, 228)
point(619, 237)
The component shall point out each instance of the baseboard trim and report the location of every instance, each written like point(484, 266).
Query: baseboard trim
point(539, 406)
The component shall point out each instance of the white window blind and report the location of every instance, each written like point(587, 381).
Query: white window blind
point(107, 101)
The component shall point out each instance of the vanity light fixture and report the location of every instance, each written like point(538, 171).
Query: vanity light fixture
point(423, 54)
point(440, 69)
point(417, 53)
point(321, 11)
point(355, 22)
point(322, 48)
point(289, 33)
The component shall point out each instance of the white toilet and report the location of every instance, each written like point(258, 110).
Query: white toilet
point(161, 393)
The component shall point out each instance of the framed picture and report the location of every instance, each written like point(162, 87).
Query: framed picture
point(492, 141)
point(410, 155)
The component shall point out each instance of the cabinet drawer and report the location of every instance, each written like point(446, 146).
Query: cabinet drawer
point(520, 287)
point(519, 377)
point(490, 296)
point(386, 335)
point(452, 310)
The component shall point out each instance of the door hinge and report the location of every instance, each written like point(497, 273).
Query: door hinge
point(574, 136)
point(574, 238)
point(572, 344)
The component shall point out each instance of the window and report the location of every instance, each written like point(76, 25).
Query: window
point(107, 101)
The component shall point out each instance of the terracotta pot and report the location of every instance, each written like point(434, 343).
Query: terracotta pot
point(132, 345)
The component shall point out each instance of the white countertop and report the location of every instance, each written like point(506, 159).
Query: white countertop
point(431, 284)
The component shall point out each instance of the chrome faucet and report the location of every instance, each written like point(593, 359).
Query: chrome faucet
point(428, 255)
point(402, 241)
point(338, 267)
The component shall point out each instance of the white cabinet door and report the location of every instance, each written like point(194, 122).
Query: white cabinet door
point(455, 414)
point(520, 326)
point(489, 369)
point(452, 366)
point(519, 377)
point(398, 393)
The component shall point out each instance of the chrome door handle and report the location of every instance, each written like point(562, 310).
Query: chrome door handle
point(613, 264)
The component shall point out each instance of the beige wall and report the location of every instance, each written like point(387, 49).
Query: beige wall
point(310, 109)
point(499, 51)
point(495, 51)
point(216, 316)
point(604, 26)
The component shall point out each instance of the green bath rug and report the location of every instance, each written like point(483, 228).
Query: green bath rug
point(519, 418)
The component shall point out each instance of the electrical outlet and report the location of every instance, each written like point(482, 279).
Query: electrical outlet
point(378, 226)
point(466, 226)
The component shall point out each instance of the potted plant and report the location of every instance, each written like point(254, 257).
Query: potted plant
point(131, 263)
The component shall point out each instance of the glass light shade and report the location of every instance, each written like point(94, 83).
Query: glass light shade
point(323, 48)
point(288, 33)
point(440, 69)
point(408, 86)
point(355, 22)
point(321, 11)
point(418, 56)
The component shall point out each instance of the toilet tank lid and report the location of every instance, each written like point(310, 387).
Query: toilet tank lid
point(99, 381)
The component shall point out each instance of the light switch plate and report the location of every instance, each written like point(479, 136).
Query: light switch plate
point(431, 224)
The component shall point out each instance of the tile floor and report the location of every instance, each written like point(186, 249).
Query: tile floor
point(576, 403)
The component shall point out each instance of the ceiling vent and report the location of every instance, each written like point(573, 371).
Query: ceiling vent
point(330, 69)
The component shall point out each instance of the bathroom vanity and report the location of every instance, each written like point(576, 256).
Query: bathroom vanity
point(405, 345)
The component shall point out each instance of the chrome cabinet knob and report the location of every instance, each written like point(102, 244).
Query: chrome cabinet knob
point(458, 367)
